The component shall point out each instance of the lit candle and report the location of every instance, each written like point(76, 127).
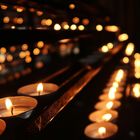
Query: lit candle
point(38, 89)
point(107, 105)
point(21, 106)
point(9, 106)
point(119, 89)
point(2, 126)
point(111, 96)
point(103, 115)
point(101, 130)
point(136, 90)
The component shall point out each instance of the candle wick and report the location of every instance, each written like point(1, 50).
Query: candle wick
point(12, 111)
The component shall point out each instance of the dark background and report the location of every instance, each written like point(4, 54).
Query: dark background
point(125, 13)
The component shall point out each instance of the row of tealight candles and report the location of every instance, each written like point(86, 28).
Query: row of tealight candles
point(22, 106)
point(102, 126)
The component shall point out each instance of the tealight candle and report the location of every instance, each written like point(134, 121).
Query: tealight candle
point(113, 96)
point(118, 89)
point(21, 106)
point(38, 89)
point(101, 130)
point(110, 83)
point(107, 105)
point(2, 126)
point(103, 115)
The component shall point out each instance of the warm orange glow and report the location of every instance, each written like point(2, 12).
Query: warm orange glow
point(4, 7)
point(137, 55)
point(39, 13)
point(32, 10)
point(24, 47)
point(64, 40)
point(39, 64)
point(119, 75)
point(99, 27)
point(107, 117)
point(47, 22)
point(40, 44)
point(129, 49)
point(81, 27)
point(28, 59)
point(18, 20)
point(27, 53)
point(125, 60)
point(110, 45)
point(8, 104)
point(137, 65)
point(137, 75)
point(40, 87)
point(101, 130)
point(36, 51)
point(6, 20)
point(20, 9)
point(136, 90)
point(111, 94)
point(3, 50)
point(57, 27)
point(66, 27)
point(73, 27)
point(109, 105)
point(2, 58)
point(12, 48)
point(115, 84)
point(123, 37)
point(85, 21)
point(112, 28)
point(72, 6)
point(75, 20)
point(1, 67)
point(22, 54)
point(9, 58)
point(104, 49)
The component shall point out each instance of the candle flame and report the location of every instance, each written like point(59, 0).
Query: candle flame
point(8, 104)
point(40, 87)
point(112, 28)
point(104, 49)
point(123, 37)
point(129, 49)
point(101, 130)
point(136, 90)
point(107, 117)
point(111, 94)
point(109, 105)
point(115, 84)
point(119, 75)
point(125, 60)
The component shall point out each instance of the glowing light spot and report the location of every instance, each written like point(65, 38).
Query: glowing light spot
point(99, 27)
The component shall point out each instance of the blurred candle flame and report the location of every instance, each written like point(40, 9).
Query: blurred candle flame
point(101, 130)
point(9, 105)
point(107, 117)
